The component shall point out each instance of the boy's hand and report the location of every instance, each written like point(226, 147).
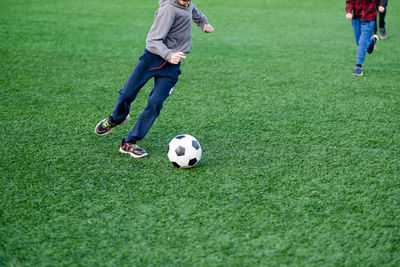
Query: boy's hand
point(381, 9)
point(349, 16)
point(208, 28)
point(176, 57)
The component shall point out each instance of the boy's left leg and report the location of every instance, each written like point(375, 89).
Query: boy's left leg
point(163, 87)
point(366, 29)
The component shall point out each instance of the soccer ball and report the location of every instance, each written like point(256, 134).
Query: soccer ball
point(184, 151)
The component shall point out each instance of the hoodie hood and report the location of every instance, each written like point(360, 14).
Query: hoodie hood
point(172, 2)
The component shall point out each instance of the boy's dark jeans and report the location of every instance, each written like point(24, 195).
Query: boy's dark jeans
point(165, 78)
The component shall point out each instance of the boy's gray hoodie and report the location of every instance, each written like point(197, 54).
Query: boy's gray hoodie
point(172, 28)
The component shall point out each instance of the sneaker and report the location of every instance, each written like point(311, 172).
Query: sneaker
point(358, 71)
point(107, 125)
point(382, 33)
point(374, 41)
point(132, 148)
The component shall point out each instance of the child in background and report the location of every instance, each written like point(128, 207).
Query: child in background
point(363, 15)
point(382, 28)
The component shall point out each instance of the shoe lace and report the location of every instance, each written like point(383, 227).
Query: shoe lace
point(107, 124)
point(135, 146)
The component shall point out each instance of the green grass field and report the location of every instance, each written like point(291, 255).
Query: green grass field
point(301, 160)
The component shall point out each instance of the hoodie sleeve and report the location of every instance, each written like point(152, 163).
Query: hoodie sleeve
point(199, 18)
point(163, 21)
point(349, 6)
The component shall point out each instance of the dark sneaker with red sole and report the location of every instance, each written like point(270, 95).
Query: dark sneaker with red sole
point(132, 149)
point(107, 125)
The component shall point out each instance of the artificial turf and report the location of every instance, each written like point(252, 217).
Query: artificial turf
point(301, 160)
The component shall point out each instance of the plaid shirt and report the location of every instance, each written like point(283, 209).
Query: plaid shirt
point(366, 9)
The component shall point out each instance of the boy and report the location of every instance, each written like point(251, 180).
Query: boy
point(166, 45)
point(363, 15)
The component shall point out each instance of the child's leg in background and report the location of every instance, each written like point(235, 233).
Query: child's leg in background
point(382, 19)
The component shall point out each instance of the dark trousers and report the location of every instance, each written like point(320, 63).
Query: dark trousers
point(381, 21)
point(165, 77)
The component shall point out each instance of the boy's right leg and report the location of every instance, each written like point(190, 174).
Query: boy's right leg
point(356, 29)
point(120, 114)
point(357, 33)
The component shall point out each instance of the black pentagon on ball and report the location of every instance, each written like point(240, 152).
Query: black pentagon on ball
point(192, 162)
point(175, 164)
point(195, 144)
point(180, 151)
point(180, 136)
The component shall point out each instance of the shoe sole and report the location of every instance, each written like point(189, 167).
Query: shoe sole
point(132, 154)
point(112, 129)
point(377, 40)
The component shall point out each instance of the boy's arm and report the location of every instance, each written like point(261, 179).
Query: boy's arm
point(349, 8)
point(199, 18)
point(163, 21)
